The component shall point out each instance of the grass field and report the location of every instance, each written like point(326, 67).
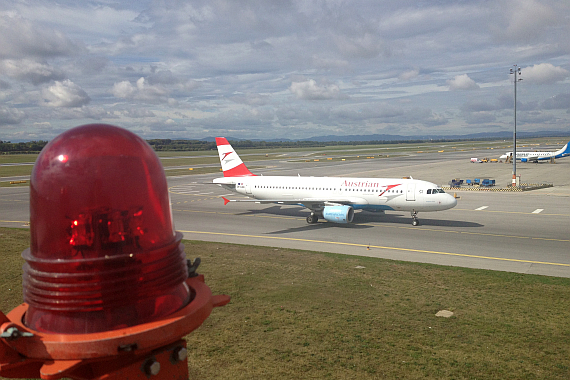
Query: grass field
point(308, 315)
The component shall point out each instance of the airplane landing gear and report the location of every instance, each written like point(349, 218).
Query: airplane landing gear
point(415, 221)
point(313, 218)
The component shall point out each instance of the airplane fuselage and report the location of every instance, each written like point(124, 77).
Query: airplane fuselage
point(332, 198)
point(539, 156)
point(372, 194)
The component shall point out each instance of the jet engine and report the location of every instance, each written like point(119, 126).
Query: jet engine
point(338, 214)
point(524, 159)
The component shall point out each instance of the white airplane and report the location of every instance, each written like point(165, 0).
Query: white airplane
point(332, 198)
point(539, 156)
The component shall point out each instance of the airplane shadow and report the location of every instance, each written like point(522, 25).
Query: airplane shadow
point(366, 217)
point(319, 226)
point(277, 210)
point(360, 219)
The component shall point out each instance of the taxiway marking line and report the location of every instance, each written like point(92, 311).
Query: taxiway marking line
point(379, 247)
point(538, 211)
point(481, 208)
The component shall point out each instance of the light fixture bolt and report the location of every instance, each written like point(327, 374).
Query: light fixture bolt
point(151, 367)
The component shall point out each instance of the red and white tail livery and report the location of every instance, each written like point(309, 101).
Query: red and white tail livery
point(331, 198)
point(232, 165)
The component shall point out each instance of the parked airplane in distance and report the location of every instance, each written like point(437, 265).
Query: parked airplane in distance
point(539, 156)
point(332, 198)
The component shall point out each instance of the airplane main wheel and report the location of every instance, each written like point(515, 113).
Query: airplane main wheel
point(312, 219)
point(415, 222)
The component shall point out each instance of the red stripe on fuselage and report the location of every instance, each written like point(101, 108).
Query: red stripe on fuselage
point(389, 187)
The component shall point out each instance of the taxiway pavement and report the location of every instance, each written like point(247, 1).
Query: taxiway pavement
point(525, 232)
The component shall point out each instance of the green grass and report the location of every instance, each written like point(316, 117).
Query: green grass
point(298, 314)
point(18, 158)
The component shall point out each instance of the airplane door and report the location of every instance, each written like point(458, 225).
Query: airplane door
point(411, 192)
point(247, 188)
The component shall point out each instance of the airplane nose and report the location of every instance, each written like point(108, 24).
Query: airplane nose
point(448, 202)
point(452, 201)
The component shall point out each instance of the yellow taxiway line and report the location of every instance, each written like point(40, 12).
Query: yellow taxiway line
point(378, 247)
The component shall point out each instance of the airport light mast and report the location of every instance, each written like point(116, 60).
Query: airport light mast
point(516, 72)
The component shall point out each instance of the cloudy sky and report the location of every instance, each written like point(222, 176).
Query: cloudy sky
point(282, 68)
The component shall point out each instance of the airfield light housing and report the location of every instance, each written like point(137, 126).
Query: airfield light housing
point(104, 254)
point(108, 291)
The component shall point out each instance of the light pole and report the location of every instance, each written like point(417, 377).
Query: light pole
point(516, 72)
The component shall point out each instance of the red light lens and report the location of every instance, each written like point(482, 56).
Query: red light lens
point(104, 254)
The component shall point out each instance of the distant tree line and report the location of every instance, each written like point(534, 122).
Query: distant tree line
point(180, 145)
point(194, 145)
point(7, 147)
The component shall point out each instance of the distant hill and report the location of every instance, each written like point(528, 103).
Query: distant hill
point(386, 137)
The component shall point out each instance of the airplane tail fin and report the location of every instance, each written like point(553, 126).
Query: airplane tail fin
point(232, 165)
point(563, 152)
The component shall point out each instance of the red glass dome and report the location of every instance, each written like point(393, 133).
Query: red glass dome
point(104, 254)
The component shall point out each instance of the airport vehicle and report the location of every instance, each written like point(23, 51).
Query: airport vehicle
point(333, 198)
point(539, 156)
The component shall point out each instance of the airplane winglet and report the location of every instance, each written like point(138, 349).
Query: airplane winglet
point(226, 200)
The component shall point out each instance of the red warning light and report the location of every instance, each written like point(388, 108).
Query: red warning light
point(104, 254)
point(108, 291)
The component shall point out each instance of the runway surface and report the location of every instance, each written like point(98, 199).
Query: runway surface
point(524, 232)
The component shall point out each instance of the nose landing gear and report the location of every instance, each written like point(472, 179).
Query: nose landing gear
point(415, 221)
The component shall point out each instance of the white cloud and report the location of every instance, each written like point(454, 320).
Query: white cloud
point(21, 38)
point(141, 91)
point(30, 71)
point(123, 90)
point(365, 46)
point(409, 75)
point(251, 99)
point(64, 94)
point(544, 73)
point(560, 101)
point(528, 19)
point(11, 116)
point(462, 82)
point(310, 90)
point(137, 113)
